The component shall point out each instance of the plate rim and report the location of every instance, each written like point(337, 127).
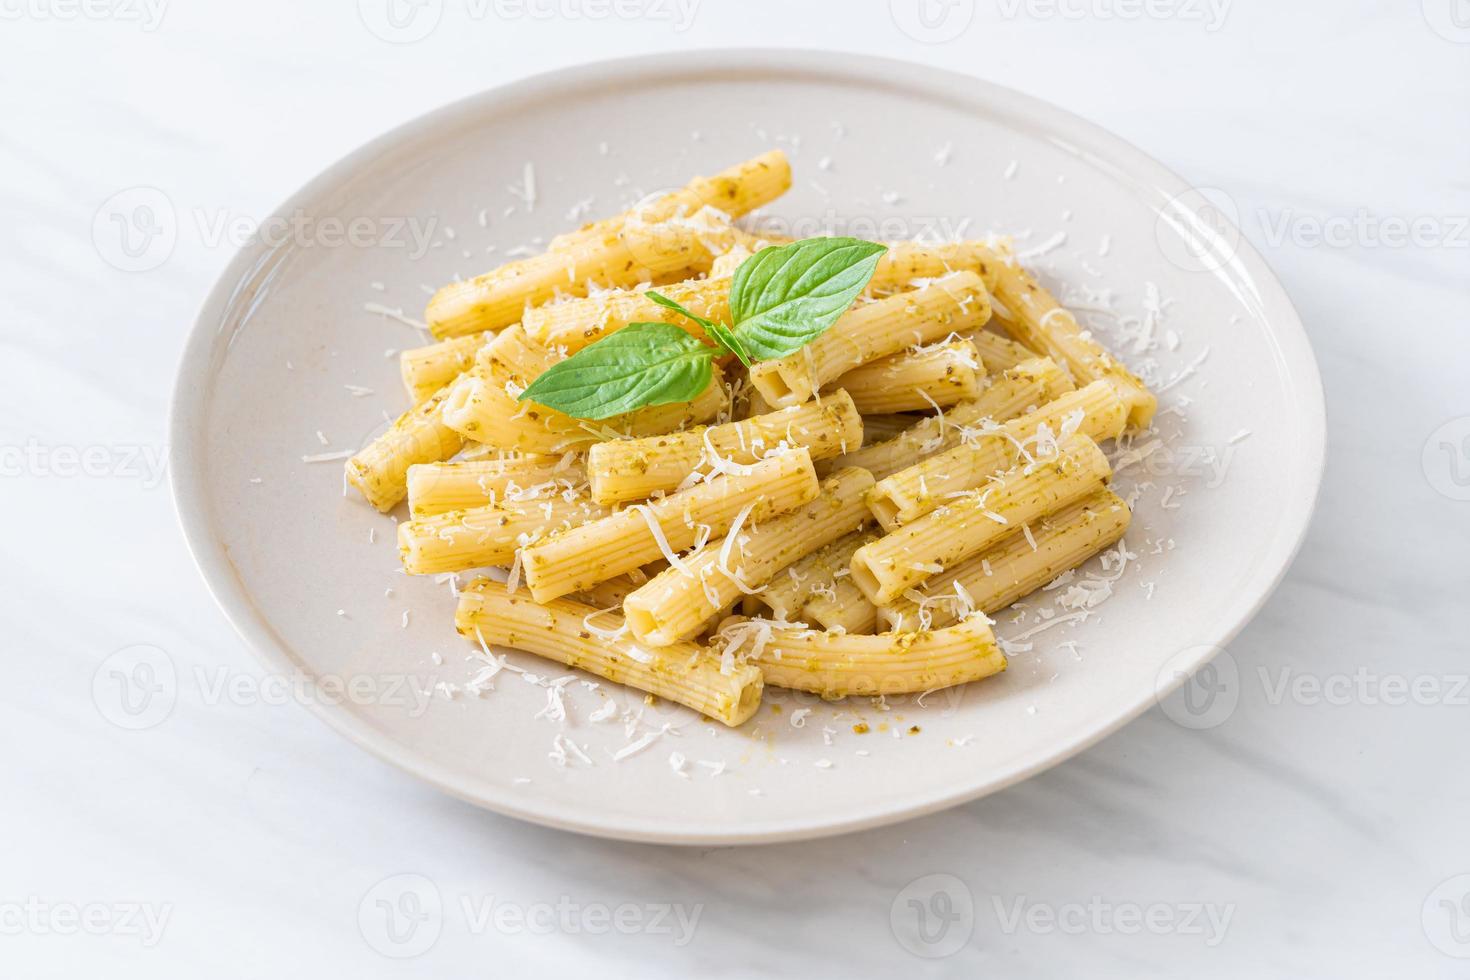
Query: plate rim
point(204, 348)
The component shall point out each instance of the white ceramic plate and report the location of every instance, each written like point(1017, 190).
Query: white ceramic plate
point(286, 330)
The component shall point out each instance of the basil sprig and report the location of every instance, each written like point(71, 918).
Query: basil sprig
point(718, 332)
point(781, 299)
point(642, 364)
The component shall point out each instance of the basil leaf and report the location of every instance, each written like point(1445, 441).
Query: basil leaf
point(717, 332)
point(641, 364)
point(783, 298)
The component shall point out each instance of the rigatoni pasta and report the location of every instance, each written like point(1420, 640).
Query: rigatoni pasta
point(998, 353)
point(734, 192)
point(974, 520)
point(936, 376)
point(427, 369)
point(909, 262)
point(565, 631)
point(1044, 325)
point(1022, 562)
point(885, 425)
point(819, 589)
point(574, 324)
point(634, 469)
point(434, 488)
point(420, 435)
point(1031, 383)
point(1094, 411)
point(620, 542)
point(953, 304)
point(458, 540)
point(788, 592)
point(838, 665)
point(631, 427)
point(682, 598)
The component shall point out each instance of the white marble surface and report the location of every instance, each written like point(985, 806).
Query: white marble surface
point(1324, 826)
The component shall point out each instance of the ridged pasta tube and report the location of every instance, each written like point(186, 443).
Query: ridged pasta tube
point(910, 493)
point(634, 469)
point(578, 323)
point(736, 191)
point(677, 602)
point(819, 588)
point(427, 369)
point(486, 536)
point(1018, 565)
point(581, 637)
point(916, 380)
point(972, 522)
point(955, 304)
point(420, 435)
point(1044, 325)
point(434, 488)
point(998, 353)
point(1005, 396)
point(836, 665)
point(626, 257)
point(580, 558)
